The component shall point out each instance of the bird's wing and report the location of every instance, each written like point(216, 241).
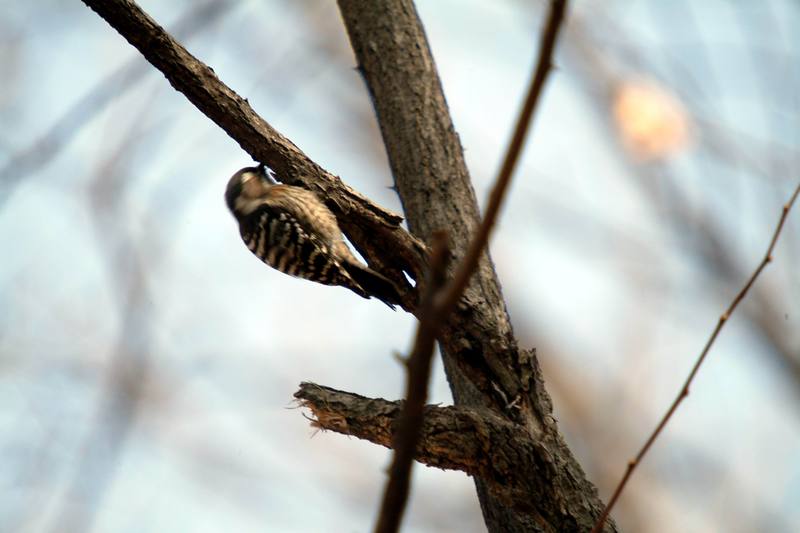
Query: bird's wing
point(278, 237)
point(308, 210)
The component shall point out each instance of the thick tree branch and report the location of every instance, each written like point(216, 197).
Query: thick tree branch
point(374, 231)
point(484, 364)
point(474, 440)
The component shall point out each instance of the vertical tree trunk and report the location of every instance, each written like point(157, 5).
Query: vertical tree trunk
point(484, 364)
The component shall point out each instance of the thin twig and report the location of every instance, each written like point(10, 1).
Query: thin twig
point(478, 243)
point(684, 392)
point(436, 308)
point(418, 375)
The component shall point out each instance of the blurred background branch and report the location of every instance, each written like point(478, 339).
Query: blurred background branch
point(125, 78)
point(683, 393)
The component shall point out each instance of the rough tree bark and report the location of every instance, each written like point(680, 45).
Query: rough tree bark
point(497, 386)
point(483, 361)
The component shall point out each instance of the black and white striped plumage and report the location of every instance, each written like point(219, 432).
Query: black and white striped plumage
point(291, 230)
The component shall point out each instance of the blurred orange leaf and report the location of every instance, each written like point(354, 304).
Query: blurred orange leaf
point(652, 122)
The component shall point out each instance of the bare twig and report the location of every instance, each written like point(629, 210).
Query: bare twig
point(478, 243)
point(436, 308)
point(418, 375)
point(726, 145)
point(684, 392)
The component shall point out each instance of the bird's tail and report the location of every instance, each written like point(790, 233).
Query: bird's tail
point(373, 283)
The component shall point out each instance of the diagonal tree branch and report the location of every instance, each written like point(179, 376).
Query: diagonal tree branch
point(481, 238)
point(374, 231)
point(436, 191)
point(418, 374)
point(684, 391)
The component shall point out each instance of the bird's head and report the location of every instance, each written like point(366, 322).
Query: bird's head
point(246, 189)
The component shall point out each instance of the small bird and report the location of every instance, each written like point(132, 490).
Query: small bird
point(291, 230)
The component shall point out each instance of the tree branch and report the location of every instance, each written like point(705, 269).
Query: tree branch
point(418, 374)
point(435, 188)
point(476, 441)
point(481, 238)
point(374, 231)
point(684, 392)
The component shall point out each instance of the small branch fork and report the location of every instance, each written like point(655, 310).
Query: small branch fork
point(684, 392)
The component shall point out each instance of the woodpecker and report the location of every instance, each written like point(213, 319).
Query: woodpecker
point(291, 230)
